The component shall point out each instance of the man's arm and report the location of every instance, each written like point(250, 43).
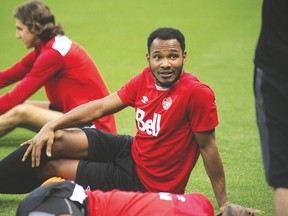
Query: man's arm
point(11, 75)
point(213, 164)
point(79, 116)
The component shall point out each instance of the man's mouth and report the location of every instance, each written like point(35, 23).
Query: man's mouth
point(165, 73)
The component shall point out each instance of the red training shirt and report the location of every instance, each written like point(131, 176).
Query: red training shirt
point(123, 203)
point(66, 71)
point(164, 148)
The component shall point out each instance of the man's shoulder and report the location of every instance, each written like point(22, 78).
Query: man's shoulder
point(190, 80)
point(60, 44)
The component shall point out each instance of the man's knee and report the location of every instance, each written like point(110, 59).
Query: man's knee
point(21, 110)
point(59, 144)
point(48, 170)
point(61, 167)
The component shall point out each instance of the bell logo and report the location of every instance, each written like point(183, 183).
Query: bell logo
point(151, 126)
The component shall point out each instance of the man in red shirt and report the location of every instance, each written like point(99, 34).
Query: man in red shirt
point(176, 118)
point(68, 198)
point(66, 71)
point(71, 199)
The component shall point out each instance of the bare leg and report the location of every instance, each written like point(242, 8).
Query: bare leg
point(64, 168)
point(280, 201)
point(32, 117)
point(41, 104)
point(71, 143)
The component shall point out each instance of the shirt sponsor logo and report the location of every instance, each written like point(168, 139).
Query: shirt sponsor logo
point(181, 198)
point(168, 197)
point(165, 196)
point(151, 126)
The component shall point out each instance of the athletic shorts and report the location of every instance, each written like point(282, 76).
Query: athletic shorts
point(53, 108)
point(110, 164)
point(271, 95)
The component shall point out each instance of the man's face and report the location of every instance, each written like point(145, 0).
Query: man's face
point(28, 38)
point(166, 60)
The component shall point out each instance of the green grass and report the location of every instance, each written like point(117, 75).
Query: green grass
point(220, 36)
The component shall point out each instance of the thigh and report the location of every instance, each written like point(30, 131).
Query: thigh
point(110, 164)
point(35, 117)
point(104, 146)
point(261, 117)
point(272, 116)
point(70, 143)
point(41, 104)
point(107, 176)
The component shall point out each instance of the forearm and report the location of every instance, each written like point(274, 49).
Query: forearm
point(215, 171)
point(17, 71)
point(219, 185)
point(79, 116)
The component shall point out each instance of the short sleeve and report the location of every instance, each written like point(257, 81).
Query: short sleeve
point(203, 110)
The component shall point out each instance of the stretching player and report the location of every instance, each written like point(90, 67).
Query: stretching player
point(66, 71)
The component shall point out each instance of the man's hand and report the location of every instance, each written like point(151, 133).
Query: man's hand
point(237, 210)
point(45, 137)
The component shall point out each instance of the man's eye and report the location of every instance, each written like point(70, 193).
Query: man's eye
point(174, 57)
point(157, 57)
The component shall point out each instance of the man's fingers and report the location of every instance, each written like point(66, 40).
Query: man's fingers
point(28, 151)
point(26, 143)
point(49, 147)
point(38, 156)
point(33, 153)
point(255, 211)
point(238, 210)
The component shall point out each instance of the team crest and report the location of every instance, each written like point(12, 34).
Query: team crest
point(166, 103)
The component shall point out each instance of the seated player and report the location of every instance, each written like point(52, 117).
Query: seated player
point(65, 70)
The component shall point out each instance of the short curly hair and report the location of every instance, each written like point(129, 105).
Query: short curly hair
point(166, 33)
point(37, 16)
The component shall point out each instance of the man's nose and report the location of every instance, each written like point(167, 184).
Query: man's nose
point(165, 62)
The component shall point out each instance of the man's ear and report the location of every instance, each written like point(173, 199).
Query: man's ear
point(184, 57)
point(147, 57)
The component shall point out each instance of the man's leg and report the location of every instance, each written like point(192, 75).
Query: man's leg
point(64, 168)
point(32, 116)
point(271, 94)
point(280, 198)
point(71, 144)
point(19, 177)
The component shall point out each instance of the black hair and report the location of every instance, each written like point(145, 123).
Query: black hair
point(166, 33)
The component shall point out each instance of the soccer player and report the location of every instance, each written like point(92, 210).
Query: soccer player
point(176, 117)
point(66, 71)
point(71, 199)
point(271, 96)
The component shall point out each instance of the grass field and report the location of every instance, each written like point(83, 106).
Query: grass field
point(220, 37)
